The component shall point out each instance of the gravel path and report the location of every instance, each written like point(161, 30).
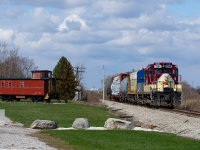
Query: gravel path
point(178, 124)
point(15, 138)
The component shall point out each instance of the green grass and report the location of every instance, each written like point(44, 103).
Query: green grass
point(123, 139)
point(65, 114)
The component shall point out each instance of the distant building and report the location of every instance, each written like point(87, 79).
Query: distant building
point(93, 89)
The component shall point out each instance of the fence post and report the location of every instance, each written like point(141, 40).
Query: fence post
point(2, 116)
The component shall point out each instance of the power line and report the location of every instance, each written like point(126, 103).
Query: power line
point(78, 70)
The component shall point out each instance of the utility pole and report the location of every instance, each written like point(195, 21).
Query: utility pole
point(103, 82)
point(78, 70)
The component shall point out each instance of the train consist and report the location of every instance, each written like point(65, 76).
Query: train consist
point(41, 86)
point(158, 84)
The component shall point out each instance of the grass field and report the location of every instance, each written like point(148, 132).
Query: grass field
point(123, 139)
point(65, 114)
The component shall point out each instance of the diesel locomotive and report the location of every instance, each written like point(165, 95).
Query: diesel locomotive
point(41, 86)
point(158, 84)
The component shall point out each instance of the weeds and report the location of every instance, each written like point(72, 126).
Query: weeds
point(190, 97)
point(92, 96)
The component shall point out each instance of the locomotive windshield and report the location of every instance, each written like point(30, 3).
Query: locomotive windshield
point(166, 70)
point(162, 71)
point(158, 71)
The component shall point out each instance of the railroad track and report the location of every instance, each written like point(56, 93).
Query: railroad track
point(183, 111)
point(176, 110)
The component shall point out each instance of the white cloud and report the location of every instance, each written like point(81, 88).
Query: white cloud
point(14, 13)
point(191, 22)
point(126, 34)
point(6, 35)
point(40, 21)
point(46, 3)
point(71, 18)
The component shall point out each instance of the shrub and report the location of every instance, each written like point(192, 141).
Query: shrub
point(91, 96)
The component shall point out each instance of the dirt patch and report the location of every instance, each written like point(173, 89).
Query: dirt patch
point(53, 142)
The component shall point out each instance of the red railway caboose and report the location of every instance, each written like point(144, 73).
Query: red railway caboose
point(40, 86)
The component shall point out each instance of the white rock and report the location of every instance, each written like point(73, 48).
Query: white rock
point(43, 124)
point(113, 123)
point(81, 123)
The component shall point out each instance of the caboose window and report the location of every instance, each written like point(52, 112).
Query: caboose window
point(49, 74)
point(150, 72)
point(21, 84)
point(34, 74)
point(158, 71)
point(42, 75)
point(10, 84)
point(2, 84)
point(175, 72)
point(166, 70)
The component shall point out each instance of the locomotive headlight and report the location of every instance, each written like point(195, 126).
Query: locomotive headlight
point(159, 90)
point(174, 89)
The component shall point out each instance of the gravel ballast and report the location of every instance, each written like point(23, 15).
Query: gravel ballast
point(169, 122)
point(13, 137)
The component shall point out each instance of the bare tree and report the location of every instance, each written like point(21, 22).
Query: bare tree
point(190, 97)
point(79, 72)
point(3, 57)
point(198, 89)
point(12, 65)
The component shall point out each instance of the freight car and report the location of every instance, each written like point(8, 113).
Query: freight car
point(158, 84)
point(41, 86)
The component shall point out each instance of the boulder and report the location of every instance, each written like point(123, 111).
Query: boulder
point(113, 123)
point(81, 123)
point(147, 125)
point(43, 124)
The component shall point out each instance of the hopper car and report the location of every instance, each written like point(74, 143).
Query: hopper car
point(41, 86)
point(158, 84)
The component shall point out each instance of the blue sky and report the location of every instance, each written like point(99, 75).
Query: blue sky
point(185, 9)
point(120, 34)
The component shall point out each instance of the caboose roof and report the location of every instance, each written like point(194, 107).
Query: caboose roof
point(26, 78)
point(41, 71)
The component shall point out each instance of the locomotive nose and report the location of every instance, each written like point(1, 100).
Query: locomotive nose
point(165, 83)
